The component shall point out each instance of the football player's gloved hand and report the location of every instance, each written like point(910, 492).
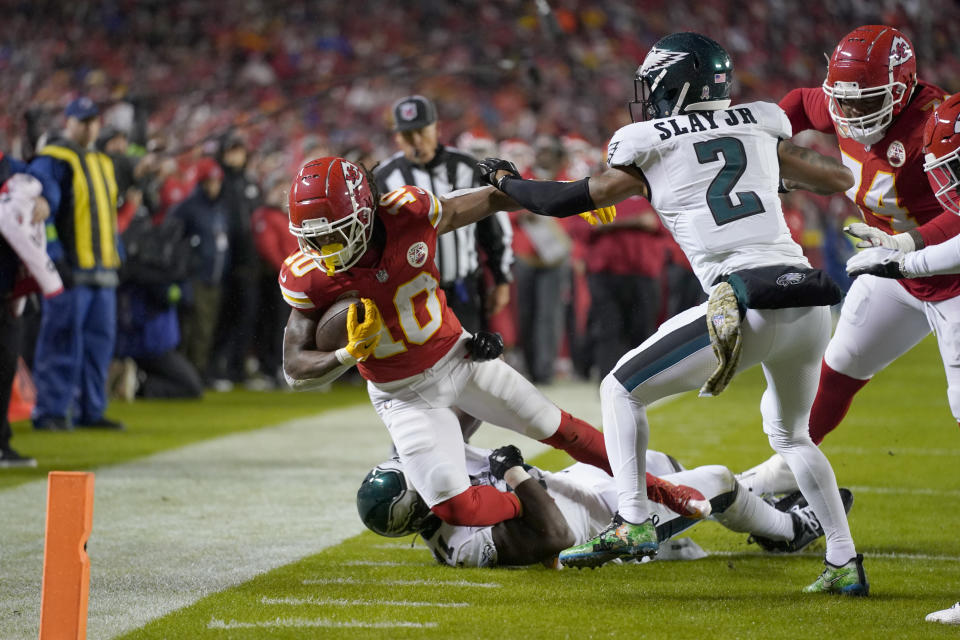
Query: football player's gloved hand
point(489, 168)
point(484, 345)
point(362, 335)
point(873, 237)
point(504, 458)
point(877, 261)
point(603, 215)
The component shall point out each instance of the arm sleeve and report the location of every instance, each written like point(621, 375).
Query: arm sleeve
point(940, 259)
point(495, 235)
point(48, 171)
point(807, 109)
point(549, 198)
point(939, 229)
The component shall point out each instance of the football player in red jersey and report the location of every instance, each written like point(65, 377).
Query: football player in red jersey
point(875, 105)
point(418, 361)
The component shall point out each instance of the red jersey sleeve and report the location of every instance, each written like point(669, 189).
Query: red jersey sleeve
point(302, 283)
point(807, 109)
point(943, 227)
point(413, 201)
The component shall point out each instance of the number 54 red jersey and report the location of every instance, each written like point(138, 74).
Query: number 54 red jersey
point(418, 329)
point(891, 189)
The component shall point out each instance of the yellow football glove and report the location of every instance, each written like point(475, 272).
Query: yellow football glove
point(363, 337)
point(602, 215)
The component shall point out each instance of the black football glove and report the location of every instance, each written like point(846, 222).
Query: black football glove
point(886, 270)
point(876, 261)
point(506, 457)
point(489, 167)
point(484, 345)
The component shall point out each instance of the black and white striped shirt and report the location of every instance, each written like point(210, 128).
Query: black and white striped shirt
point(450, 170)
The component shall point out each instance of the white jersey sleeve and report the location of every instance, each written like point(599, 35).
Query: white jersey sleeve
point(713, 179)
point(459, 546)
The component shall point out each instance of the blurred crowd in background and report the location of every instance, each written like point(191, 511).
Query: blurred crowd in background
point(209, 111)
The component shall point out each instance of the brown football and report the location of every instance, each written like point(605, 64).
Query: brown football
point(332, 328)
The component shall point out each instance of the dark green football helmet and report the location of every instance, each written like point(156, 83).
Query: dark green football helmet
point(683, 72)
point(388, 505)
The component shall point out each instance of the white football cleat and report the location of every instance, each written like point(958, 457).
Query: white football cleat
point(772, 476)
point(947, 616)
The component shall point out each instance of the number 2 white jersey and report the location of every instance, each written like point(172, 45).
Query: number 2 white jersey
point(713, 178)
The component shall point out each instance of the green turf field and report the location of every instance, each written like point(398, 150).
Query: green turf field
point(898, 451)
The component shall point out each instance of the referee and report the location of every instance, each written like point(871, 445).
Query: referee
point(425, 163)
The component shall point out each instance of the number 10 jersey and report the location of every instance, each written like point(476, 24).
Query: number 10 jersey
point(713, 178)
point(418, 328)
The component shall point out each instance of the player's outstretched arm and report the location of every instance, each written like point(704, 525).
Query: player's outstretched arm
point(303, 366)
point(563, 199)
point(541, 532)
point(466, 206)
point(802, 168)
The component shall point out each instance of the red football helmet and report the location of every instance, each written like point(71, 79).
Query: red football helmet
point(941, 146)
point(331, 212)
point(875, 66)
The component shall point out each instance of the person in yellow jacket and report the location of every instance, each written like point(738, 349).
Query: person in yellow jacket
point(78, 328)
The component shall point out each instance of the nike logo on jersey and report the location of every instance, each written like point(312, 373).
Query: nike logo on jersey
point(693, 121)
point(283, 277)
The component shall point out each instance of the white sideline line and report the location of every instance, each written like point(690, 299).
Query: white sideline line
point(343, 602)
point(404, 583)
point(398, 547)
point(380, 563)
point(896, 451)
point(920, 557)
point(216, 623)
point(944, 493)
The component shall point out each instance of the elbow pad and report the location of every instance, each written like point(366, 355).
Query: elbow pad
point(550, 198)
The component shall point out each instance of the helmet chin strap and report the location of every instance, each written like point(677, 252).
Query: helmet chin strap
point(676, 105)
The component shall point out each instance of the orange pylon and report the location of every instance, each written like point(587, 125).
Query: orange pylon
point(23, 395)
point(66, 566)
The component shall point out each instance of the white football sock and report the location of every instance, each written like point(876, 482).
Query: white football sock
point(626, 432)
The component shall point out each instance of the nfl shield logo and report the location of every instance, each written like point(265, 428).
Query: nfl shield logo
point(408, 111)
point(382, 275)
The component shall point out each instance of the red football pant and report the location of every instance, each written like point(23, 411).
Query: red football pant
point(581, 441)
point(478, 506)
point(834, 396)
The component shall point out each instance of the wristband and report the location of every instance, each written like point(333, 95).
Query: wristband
point(344, 357)
point(514, 476)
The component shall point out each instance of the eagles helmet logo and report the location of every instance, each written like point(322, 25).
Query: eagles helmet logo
point(661, 59)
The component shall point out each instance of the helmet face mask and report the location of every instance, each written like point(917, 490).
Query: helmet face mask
point(332, 210)
point(941, 145)
point(682, 72)
point(870, 79)
point(388, 505)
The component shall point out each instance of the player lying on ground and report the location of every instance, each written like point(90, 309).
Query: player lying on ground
point(419, 363)
point(569, 507)
point(711, 170)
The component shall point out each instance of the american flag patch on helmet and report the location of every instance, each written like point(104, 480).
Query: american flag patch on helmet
point(719, 77)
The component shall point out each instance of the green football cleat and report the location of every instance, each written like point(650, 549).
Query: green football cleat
point(619, 540)
point(847, 580)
